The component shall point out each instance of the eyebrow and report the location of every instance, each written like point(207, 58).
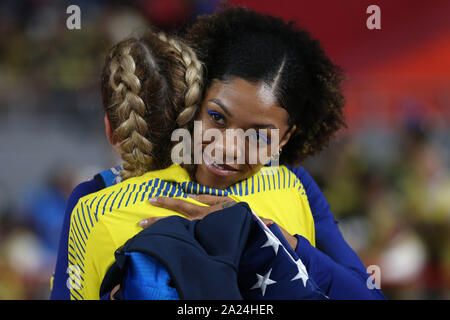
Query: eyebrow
point(225, 109)
point(263, 126)
point(221, 105)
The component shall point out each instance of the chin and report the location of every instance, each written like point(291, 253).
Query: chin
point(216, 179)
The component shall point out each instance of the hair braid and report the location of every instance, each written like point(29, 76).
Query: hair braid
point(193, 77)
point(151, 84)
point(131, 113)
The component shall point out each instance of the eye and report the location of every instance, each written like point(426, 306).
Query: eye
point(216, 116)
point(262, 137)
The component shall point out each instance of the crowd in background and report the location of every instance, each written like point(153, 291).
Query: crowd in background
point(389, 187)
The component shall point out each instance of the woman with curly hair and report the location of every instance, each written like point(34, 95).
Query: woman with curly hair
point(264, 73)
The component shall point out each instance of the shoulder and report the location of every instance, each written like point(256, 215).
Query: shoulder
point(305, 178)
point(302, 174)
point(99, 182)
point(102, 182)
point(82, 190)
point(100, 186)
point(86, 188)
point(318, 203)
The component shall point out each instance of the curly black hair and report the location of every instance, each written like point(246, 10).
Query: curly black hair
point(238, 42)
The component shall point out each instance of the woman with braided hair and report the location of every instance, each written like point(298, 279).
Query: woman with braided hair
point(150, 85)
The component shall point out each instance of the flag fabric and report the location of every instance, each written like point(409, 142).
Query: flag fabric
point(270, 269)
point(230, 254)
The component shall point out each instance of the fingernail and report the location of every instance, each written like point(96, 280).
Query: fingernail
point(143, 223)
point(153, 200)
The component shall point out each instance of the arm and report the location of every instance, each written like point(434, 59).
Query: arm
point(333, 264)
point(336, 280)
point(59, 290)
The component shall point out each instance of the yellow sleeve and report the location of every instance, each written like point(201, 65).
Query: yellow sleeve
point(91, 251)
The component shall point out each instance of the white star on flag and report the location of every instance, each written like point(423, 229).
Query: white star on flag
point(263, 282)
point(272, 241)
point(302, 273)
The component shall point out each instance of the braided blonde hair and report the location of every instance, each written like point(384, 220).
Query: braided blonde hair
point(150, 86)
point(193, 77)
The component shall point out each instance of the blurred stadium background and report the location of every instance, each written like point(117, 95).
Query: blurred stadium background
point(386, 177)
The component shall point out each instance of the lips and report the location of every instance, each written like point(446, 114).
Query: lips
point(220, 169)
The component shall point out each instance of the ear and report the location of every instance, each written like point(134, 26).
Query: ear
point(108, 130)
point(288, 136)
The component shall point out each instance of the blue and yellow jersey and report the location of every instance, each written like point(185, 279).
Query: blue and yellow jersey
point(103, 221)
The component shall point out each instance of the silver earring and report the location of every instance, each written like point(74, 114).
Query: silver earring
point(276, 156)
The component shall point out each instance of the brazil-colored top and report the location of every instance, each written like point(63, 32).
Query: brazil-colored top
point(103, 221)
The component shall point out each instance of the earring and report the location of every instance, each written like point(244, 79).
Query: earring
point(275, 157)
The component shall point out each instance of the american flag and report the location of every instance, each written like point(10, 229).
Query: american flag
point(266, 267)
point(270, 269)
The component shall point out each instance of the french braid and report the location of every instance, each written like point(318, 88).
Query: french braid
point(131, 111)
point(192, 77)
point(150, 86)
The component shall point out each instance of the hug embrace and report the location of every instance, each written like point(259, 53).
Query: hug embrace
point(236, 218)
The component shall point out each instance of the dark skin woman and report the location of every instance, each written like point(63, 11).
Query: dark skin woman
point(261, 74)
point(231, 105)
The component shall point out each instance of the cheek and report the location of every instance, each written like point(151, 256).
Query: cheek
point(254, 168)
point(204, 118)
point(202, 115)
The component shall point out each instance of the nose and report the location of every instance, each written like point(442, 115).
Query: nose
point(230, 148)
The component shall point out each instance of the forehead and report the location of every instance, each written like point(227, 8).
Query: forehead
point(248, 101)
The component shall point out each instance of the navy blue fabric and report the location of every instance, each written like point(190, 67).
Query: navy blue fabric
point(200, 268)
point(223, 256)
point(268, 257)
